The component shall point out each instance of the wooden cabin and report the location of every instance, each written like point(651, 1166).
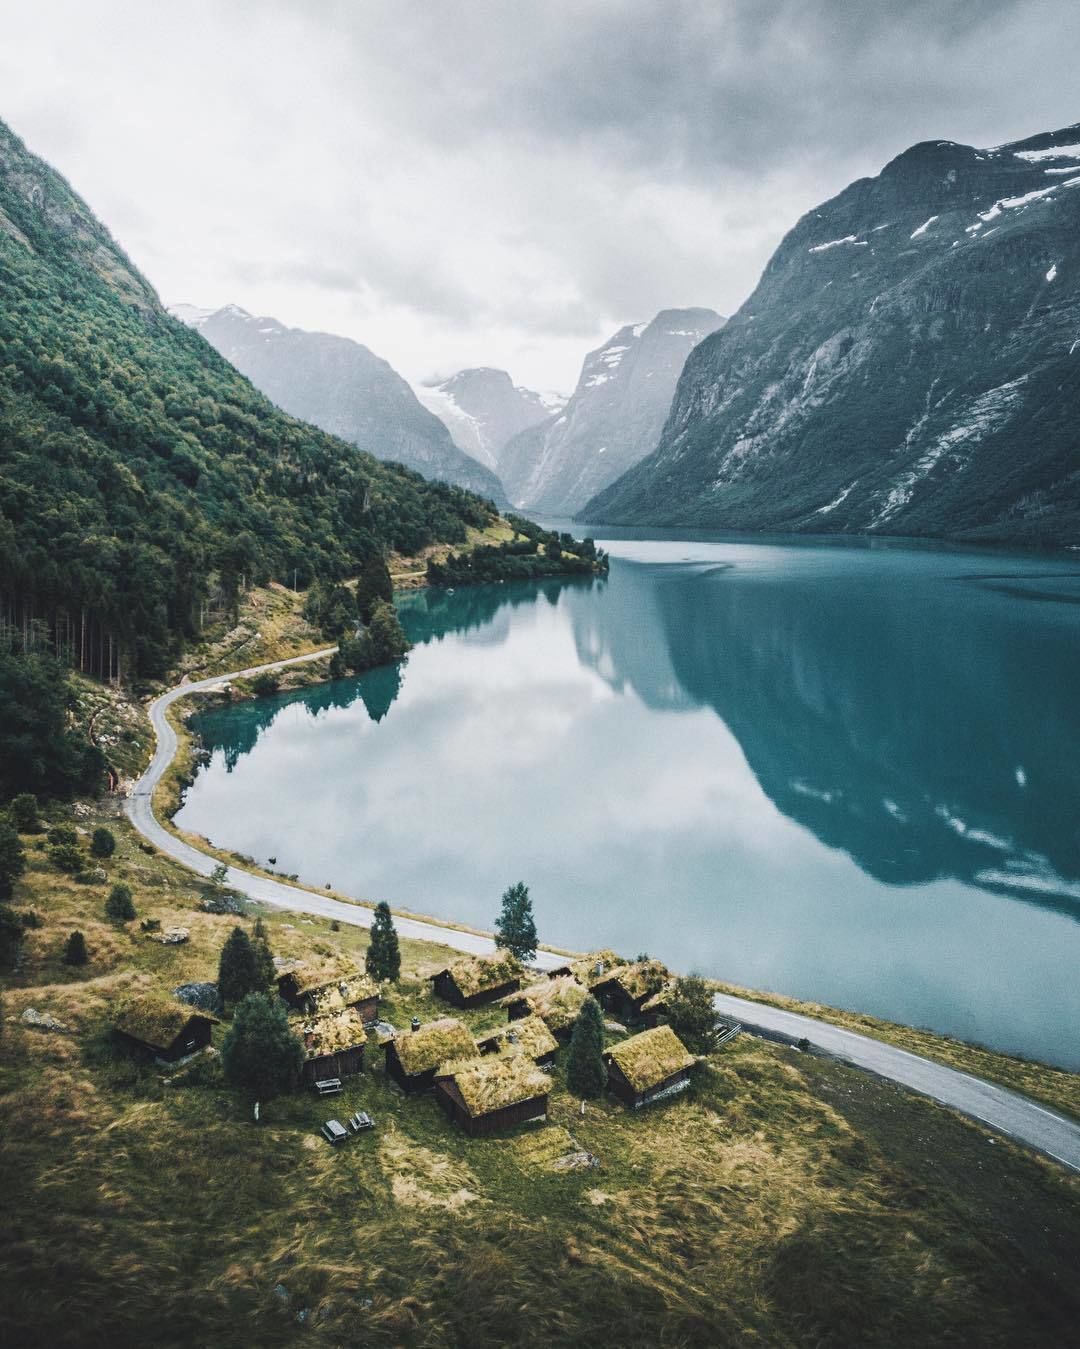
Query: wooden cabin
point(321, 989)
point(478, 979)
point(654, 1009)
point(164, 1028)
point(413, 1057)
point(556, 1001)
point(596, 966)
point(491, 1093)
point(333, 1045)
point(624, 990)
point(528, 1036)
point(649, 1066)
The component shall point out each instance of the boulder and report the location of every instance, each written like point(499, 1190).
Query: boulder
point(42, 1021)
point(203, 996)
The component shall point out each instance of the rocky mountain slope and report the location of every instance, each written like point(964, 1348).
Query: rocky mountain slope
point(342, 387)
point(483, 408)
point(612, 419)
point(908, 364)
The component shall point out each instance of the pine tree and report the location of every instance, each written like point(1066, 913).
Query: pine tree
point(119, 907)
point(264, 957)
point(260, 1054)
point(12, 857)
point(691, 1014)
point(24, 813)
point(75, 952)
point(585, 1070)
point(238, 968)
point(374, 584)
point(388, 640)
point(383, 959)
point(102, 842)
point(515, 929)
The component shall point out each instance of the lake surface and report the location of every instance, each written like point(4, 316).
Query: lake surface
point(848, 773)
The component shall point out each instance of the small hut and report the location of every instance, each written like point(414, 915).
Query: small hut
point(528, 1036)
point(333, 1045)
point(412, 1058)
point(649, 1066)
point(494, 1092)
point(596, 966)
point(163, 1027)
point(655, 1008)
point(329, 986)
point(556, 1001)
point(624, 990)
point(478, 979)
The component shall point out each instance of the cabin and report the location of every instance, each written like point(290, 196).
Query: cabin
point(557, 1002)
point(166, 1029)
point(623, 991)
point(478, 979)
point(528, 1036)
point(596, 966)
point(495, 1092)
point(334, 1046)
point(326, 987)
point(649, 1067)
point(654, 1009)
point(413, 1057)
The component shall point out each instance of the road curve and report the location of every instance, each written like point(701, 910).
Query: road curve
point(1004, 1111)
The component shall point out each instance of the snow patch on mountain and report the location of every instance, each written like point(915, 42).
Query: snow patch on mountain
point(1051, 152)
point(923, 228)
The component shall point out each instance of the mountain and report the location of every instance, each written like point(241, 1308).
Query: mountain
point(908, 364)
point(483, 408)
point(342, 387)
point(613, 418)
point(141, 476)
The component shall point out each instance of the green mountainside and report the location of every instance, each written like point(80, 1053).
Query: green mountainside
point(909, 364)
point(140, 474)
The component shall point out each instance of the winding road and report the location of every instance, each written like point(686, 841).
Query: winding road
point(1006, 1112)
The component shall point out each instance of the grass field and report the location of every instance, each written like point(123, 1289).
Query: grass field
point(784, 1200)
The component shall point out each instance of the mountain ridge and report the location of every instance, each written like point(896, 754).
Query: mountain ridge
point(483, 408)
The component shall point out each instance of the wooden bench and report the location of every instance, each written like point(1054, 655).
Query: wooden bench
point(329, 1086)
point(361, 1121)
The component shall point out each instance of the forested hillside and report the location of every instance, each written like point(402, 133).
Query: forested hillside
point(141, 476)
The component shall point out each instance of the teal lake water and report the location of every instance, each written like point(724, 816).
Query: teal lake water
point(846, 773)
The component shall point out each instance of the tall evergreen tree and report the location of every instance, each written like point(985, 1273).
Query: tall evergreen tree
point(585, 1070)
point(264, 957)
point(120, 907)
point(12, 857)
point(383, 959)
point(11, 934)
point(23, 811)
point(260, 1054)
point(238, 968)
point(373, 584)
point(515, 929)
point(102, 842)
point(75, 952)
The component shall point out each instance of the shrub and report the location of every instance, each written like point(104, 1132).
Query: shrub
point(66, 857)
point(11, 934)
point(60, 834)
point(75, 952)
point(12, 858)
point(24, 813)
point(119, 907)
point(262, 685)
point(691, 1013)
point(102, 842)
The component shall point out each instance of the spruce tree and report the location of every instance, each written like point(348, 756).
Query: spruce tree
point(119, 907)
point(260, 1054)
point(388, 640)
point(24, 813)
point(75, 952)
point(238, 968)
point(374, 584)
point(260, 940)
point(12, 857)
point(515, 929)
point(383, 959)
point(102, 842)
point(586, 1073)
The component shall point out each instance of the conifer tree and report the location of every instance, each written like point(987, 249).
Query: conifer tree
point(23, 811)
point(374, 584)
point(585, 1070)
point(12, 857)
point(515, 930)
point(102, 842)
point(260, 1054)
point(383, 959)
point(238, 968)
point(264, 957)
point(75, 952)
point(120, 907)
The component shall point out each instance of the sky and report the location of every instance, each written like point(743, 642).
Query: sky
point(501, 182)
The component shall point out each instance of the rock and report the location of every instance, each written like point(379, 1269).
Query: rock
point(282, 1293)
point(203, 996)
point(173, 936)
point(615, 1027)
point(227, 903)
point(303, 1315)
point(42, 1021)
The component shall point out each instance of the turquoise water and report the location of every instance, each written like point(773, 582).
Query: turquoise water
point(846, 773)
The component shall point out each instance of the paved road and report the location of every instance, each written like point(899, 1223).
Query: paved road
point(1004, 1111)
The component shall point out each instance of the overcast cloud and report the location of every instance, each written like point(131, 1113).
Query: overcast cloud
point(502, 182)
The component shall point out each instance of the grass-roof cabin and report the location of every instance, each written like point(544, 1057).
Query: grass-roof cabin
point(596, 966)
point(649, 1066)
point(556, 1001)
point(655, 1008)
point(413, 1057)
point(333, 1045)
point(624, 990)
point(528, 1036)
point(318, 989)
point(491, 1093)
point(163, 1027)
point(478, 979)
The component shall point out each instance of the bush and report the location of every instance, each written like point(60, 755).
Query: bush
point(24, 813)
point(691, 1014)
point(75, 952)
point(61, 834)
point(11, 934)
point(119, 907)
point(66, 857)
point(31, 920)
point(102, 842)
point(12, 858)
point(262, 685)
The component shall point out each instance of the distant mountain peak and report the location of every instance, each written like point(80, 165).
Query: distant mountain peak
point(483, 408)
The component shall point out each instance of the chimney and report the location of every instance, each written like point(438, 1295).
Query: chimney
point(416, 1023)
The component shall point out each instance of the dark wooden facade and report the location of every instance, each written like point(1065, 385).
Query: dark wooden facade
point(444, 986)
point(625, 1091)
point(338, 1063)
point(477, 1126)
point(193, 1036)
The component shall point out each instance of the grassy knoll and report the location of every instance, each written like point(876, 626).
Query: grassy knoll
point(784, 1200)
point(1054, 1086)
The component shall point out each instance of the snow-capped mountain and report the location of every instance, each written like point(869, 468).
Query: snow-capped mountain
point(612, 419)
point(483, 408)
point(342, 387)
point(908, 364)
